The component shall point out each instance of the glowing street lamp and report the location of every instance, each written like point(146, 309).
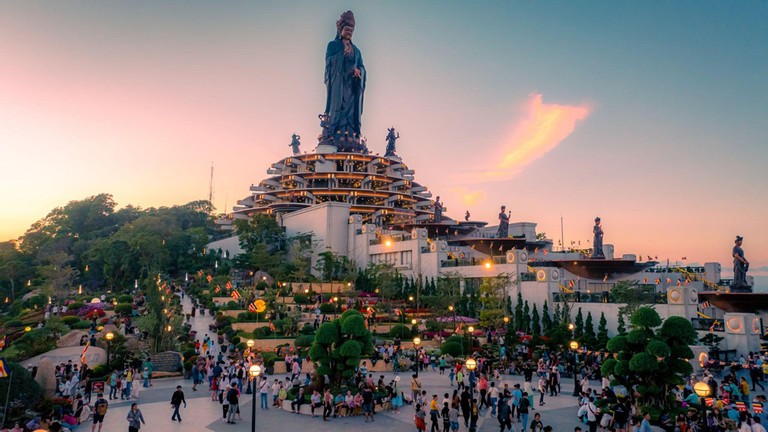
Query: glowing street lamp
point(416, 342)
point(109, 336)
point(506, 320)
point(702, 390)
point(254, 372)
point(488, 264)
point(249, 343)
point(573, 345)
point(471, 364)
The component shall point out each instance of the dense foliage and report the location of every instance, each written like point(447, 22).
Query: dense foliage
point(652, 357)
point(339, 345)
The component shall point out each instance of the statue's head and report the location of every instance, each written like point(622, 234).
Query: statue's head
point(345, 26)
point(597, 220)
point(739, 239)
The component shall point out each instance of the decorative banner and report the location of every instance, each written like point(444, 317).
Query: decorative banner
point(209, 278)
point(217, 290)
point(260, 304)
point(229, 285)
point(82, 356)
point(3, 369)
point(236, 295)
point(757, 407)
point(252, 308)
point(199, 273)
point(271, 326)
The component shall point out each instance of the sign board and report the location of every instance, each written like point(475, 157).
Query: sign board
point(168, 361)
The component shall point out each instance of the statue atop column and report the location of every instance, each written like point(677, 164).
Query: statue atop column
point(597, 230)
point(345, 83)
point(740, 267)
point(503, 231)
point(295, 143)
point(438, 207)
point(391, 138)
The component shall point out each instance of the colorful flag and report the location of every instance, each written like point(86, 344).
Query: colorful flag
point(458, 329)
point(217, 290)
point(3, 341)
point(252, 307)
point(645, 280)
point(705, 305)
point(229, 285)
point(209, 278)
point(757, 407)
point(605, 278)
point(199, 273)
point(669, 280)
point(271, 326)
point(85, 349)
point(236, 295)
point(3, 369)
point(398, 312)
point(570, 283)
point(658, 281)
point(714, 324)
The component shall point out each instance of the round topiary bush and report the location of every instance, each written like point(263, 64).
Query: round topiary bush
point(327, 308)
point(452, 348)
point(75, 306)
point(70, 320)
point(400, 331)
point(124, 309)
point(80, 325)
point(308, 329)
point(262, 332)
point(125, 298)
point(303, 341)
point(301, 299)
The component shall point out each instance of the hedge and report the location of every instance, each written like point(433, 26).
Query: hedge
point(304, 341)
point(124, 308)
point(301, 299)
point(125, 298)
point(70, 320)
point(400, 331)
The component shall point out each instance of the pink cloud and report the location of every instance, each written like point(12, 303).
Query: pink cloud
point(543, 128)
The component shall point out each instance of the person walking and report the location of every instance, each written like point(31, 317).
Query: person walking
point(135, 418)
point(327, 404)
point(264, 393)
point(176, 400)
point(233, 399)
point(99, 412)
point(505, 415)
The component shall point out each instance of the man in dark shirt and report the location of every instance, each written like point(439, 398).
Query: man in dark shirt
point(368, 403)
point(176, 400)
point(466, 399)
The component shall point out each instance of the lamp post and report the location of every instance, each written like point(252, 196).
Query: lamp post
point(416, 342)
point(335, 305)
point(453, 309)
point(471, 365)
point(702, 391)
point(249, 344)
point(109, 336)
point(254, 372)
point(576, 390)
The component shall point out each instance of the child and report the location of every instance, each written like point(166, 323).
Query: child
point(451, 375)
point(445, 414)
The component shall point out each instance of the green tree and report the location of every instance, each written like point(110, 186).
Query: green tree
point(652, 358)
point(526, 317)
point(339, 345)
point(589, 339)
point(621, 326)
point(578, 326)
point(602, 332)
point(546, 320)
point(556, 320)
point(633, 296)
point(519, 323)
point(492, 293)
point(535, 322)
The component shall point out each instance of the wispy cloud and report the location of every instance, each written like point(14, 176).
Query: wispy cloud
point(469, 197)
point(543, 127)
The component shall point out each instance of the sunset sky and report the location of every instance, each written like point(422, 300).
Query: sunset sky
point(652, 115)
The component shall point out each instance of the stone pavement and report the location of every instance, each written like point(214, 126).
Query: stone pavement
point(202, 414)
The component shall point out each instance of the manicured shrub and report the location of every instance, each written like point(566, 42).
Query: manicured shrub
point(400, 331)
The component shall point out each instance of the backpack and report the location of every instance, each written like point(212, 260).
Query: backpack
point(232, 396)
point(101, 407)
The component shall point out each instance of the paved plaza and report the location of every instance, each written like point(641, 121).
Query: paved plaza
point(202, 414)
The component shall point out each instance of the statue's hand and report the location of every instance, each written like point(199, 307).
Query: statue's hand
point(356, 73)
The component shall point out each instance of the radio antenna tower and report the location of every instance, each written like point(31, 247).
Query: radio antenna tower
point(210, 187)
